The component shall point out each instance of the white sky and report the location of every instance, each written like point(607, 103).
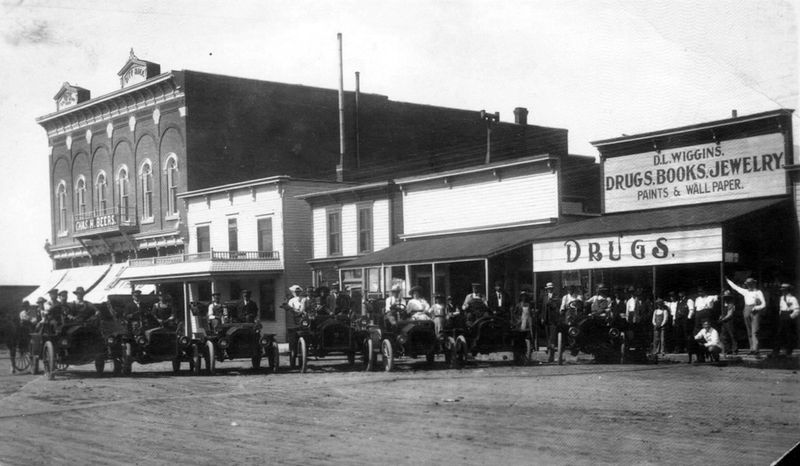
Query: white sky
point(597, 68)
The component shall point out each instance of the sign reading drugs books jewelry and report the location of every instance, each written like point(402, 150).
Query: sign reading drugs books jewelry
point(630, 250)
point(733, 169)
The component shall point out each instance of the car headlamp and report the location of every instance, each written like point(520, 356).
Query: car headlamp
point(223, 343)
point(64, 342)
point(402, 339)
point(184, 340)
point(141, 340)
point(264, 341)
point(304, 323)
point(573, 332)
point(613, 332)
point(110, 340)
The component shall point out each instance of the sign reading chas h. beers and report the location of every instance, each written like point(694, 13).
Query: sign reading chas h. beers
point(629, 250)
point(734, 169)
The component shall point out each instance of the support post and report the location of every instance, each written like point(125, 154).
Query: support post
point(433, 282)
point(486, 278)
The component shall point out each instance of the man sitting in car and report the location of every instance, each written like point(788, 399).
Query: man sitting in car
point(215, 311)
point(162, 311)
point(81, 310)
point(417, 307)
point(247, 309)
point(392, 302)
point(297, 304)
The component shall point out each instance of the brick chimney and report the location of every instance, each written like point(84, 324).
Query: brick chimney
point(521, 116)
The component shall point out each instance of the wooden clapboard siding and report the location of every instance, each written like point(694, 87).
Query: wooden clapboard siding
point(320, 231)
point(381, 230)
point(480, 201)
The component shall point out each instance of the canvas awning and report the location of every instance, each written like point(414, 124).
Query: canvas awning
point(198, 269)
point(52, 281)
point(112, 284)
point(470, 246)
point(87, 277)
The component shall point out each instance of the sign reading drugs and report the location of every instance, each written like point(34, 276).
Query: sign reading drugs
point(734, 169)
point(631, 250)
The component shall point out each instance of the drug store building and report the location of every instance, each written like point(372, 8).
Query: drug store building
point(682, 208)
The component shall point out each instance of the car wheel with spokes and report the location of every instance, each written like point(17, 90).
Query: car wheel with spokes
point(49, 360)
point(302, 353)
point(387, 352)
point(368, 358)
point(211, 358)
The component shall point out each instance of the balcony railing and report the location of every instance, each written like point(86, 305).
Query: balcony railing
point(107, 220)
point(207, 256)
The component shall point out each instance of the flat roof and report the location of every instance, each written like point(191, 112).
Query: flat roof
point(475, 169)
point(694, 127)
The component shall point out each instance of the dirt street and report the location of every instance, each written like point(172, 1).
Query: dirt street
point(487, 413)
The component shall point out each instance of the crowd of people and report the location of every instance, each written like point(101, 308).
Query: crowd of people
point(700, 324)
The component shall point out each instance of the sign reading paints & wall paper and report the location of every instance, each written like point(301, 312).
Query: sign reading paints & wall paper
point(734, 169)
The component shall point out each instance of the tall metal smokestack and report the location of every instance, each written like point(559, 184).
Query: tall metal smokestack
point(358, 92)
point(340, 167)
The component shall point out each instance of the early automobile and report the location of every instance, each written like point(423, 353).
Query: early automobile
point(145, 339)
point(487, 334)
point(320, 334)
point(73, 343)
point(408, 338)
point(609, 338)
point(232, 339)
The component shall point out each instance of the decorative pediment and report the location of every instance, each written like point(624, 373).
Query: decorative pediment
point(70, 95)
point(137, 70)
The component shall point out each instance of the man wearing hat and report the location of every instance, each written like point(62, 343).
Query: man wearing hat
point(247, 309)
point(474, 296)
point(523, 311)
point(216, 310)
point(499, 302)
point(754, 304)
point(297, 303)
point(134, 310)
point(728, 336)
point(342, 304)
point(788, 322)
point(55, 314)
point(392, 302)
point(163, 312)
point(549, 313)
point(81, 310)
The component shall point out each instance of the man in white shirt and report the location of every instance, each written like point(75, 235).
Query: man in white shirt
point(788, 322)
point(708, 338)
point(390, 314)
point(633, 307)
point(572, 295)
point(298, 303)
point(474, 296)
point(215, 311)
point(754, 304)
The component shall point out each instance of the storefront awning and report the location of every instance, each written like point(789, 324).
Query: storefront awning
point(142, 273)
point(49, 283)
point(112, 284)
point(660, 219)
point(87, 277)
point(471, 246)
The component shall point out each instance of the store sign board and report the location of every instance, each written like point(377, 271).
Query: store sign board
point(95, 222)
point(629, 250)
point(735, 169)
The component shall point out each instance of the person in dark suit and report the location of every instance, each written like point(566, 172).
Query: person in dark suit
point(550, 316)
point(247, 309)
point(499, 301)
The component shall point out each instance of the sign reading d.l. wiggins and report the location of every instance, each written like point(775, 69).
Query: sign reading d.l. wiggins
point(734, 169)
point(629, 250)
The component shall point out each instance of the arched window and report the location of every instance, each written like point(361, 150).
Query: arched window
point(147, 190)
point(123, 193)
point(172, 185)
point(80, 195)
point(61, 205)
point(101, 193)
